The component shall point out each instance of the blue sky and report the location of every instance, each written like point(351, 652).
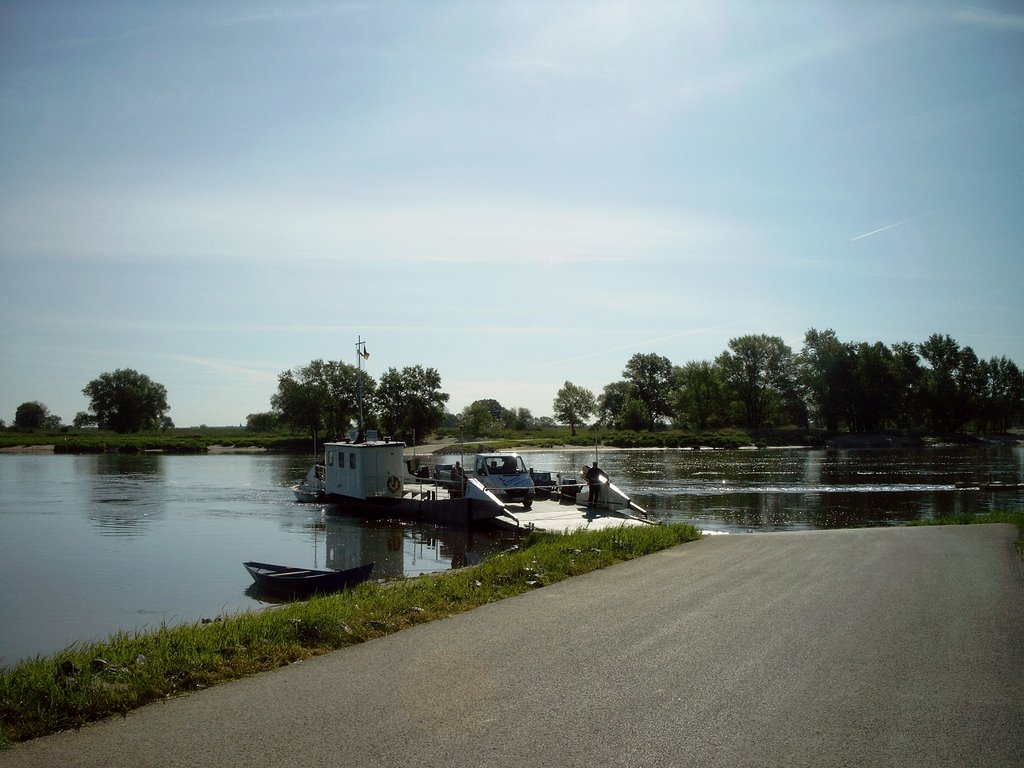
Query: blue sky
point(514, 193)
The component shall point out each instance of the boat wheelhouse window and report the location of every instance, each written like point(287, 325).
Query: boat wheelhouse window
point(330, 458)
point(352, 461)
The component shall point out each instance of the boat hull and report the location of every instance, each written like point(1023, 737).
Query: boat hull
point(459, 511)
point(306, 495)
point(284, 581)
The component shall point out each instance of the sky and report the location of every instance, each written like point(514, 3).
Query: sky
point(517, 194)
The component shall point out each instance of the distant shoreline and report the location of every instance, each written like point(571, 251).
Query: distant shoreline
point(837, 442)
point(28, 449)
point(51, 448)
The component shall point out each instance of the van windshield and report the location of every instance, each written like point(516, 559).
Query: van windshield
point(505, 465)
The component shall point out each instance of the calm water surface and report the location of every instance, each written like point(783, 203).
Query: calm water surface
point(95, 544)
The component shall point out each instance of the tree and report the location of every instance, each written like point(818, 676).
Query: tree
point(758, 372)
point(651, 378)
point(951, 383)
point(410, 401)
point(699, 397)
point(824, 374)
point(874, 389)
point(517, 419)
point(476, 419)
point(83, 419)
point(1003, 395)
point(907, 377)
point(126, 401)
point(298, 403)
point(495, 409)
point(573, 405)
point(323, 395)
point(261, 422)
point(634, 414)
point(611, 402)
point(35, 415)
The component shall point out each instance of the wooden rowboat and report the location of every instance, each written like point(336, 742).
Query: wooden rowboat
point(302, 582)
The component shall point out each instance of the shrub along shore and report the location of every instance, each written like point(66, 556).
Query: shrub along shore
point(88, 682)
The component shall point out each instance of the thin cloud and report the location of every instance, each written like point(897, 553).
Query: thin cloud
point(452, 232)
point(286, 13)
point(220, 367)
point(982, 17)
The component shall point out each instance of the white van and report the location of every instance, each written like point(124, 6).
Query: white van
point(506, 476)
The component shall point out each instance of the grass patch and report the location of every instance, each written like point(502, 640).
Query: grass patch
point(88, 682)
point(1013, 518)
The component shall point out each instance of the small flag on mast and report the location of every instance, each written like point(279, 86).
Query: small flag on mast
point(366, 354)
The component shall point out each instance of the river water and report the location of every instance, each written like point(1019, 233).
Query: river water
point(90, 545)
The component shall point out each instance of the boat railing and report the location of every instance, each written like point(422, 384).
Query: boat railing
point(421, 486)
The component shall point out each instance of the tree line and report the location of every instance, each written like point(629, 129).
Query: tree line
point(757, 382)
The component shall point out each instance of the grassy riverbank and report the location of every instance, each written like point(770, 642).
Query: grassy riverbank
point(209, 439)
point(86, 683)
point(203, 439)
point(198, 440)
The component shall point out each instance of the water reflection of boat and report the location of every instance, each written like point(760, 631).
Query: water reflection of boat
point(303, 582)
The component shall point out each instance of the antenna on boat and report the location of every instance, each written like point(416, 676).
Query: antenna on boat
point(361, 354)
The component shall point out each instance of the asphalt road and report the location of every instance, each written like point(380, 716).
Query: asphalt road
point(877, 647)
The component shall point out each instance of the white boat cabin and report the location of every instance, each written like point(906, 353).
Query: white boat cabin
point(363, 470)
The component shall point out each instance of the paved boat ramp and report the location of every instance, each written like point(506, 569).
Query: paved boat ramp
point(873, 647)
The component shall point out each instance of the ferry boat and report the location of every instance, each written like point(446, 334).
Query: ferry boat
point(373, 476)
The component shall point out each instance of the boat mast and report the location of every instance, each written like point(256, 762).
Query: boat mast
point(361, 354)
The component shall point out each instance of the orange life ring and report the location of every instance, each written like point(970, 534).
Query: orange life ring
point(394, 484)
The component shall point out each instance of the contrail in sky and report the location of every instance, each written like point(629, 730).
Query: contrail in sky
point(890, 226)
